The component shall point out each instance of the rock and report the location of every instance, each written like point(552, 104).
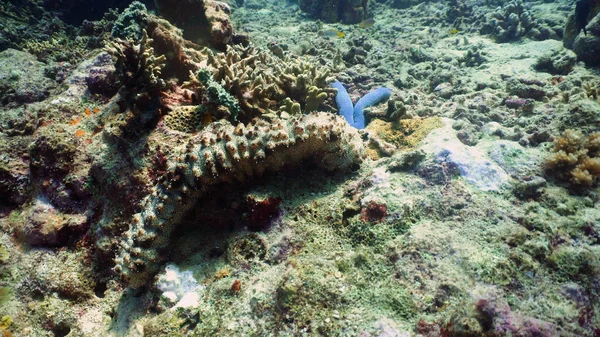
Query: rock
point(402, 4)
point(444, 90)
point(221, 29)
point(14, 175)
point(46, 226)
point(101, 78)
point(22, 79)
point(347, 11)
point(404, 161)
point(65, 273)
point(526, 89)
point(587, 48)
point(515, 159)
point(471, 162)
point(200, 19)
point(530, 187)
point(560, 63)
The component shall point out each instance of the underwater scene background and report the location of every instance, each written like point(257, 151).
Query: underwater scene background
point(299, 168)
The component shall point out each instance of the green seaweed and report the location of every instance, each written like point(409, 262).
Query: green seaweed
point(5, 295)
point(4, 255)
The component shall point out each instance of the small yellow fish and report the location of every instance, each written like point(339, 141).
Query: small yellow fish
point(454, 31)
point(367, 23)
point(333, 33)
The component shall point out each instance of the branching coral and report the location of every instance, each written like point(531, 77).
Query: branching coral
point(576, 158)
point(137, 64)
point(223, 154)
point(60, 47)
point(590, 89)
point(261, 81)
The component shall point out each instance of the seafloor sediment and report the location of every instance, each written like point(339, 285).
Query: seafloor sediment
point(179, 168)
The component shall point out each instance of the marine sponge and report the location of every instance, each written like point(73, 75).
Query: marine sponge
point(224, 154)
point(576, 158)
point(217, 94)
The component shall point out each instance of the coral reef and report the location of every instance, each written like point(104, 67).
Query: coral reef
point(575, 158)
point(164, 187)
point(224, 154)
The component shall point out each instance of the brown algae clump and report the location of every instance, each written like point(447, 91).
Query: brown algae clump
point(5, 323)
point(406, 132)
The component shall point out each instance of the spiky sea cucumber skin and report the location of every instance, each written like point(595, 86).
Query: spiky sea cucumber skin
point(227, 154)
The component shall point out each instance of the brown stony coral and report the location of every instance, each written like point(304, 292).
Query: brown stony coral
point(261, 81)
point(576, 158)
point(137, 64)
point(187, 118)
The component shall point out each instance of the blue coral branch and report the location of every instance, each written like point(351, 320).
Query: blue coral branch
point(355, 116)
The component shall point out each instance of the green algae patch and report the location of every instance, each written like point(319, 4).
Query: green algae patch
point(310, 293)
point(170, 324)
point(4, 255)
point(5, 294)
point(575, 263)
point(375, 235)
